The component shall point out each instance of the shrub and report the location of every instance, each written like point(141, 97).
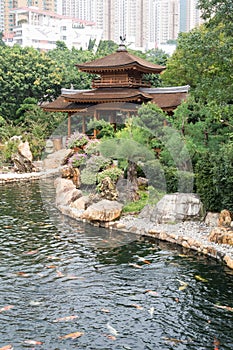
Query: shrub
point(114, 173)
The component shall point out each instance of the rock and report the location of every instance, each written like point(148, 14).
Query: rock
point(127, 191)
point(57, 159)
point(224, 218)
point(108, 189)
point(22, 164)
point(63, 185)
point(146, 212)
point(71, 173)
point(142, 183)
point(229, 261)
point(81, 203)
point(222, 235)
point(66, 198)
point(24, 150)
point(105, 210)
point(211, 219)
point(177, 207)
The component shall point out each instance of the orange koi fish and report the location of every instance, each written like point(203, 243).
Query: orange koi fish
point(64, 319)
point(72, 335)
point(5, 308)
point(33, 342)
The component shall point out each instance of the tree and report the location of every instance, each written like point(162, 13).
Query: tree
point(1, 39)
point(25, 72)
point(203, 59)
point(67, 60)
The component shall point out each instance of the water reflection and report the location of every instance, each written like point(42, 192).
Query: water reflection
point(49, 272)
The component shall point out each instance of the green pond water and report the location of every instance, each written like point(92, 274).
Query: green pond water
point(52, 267)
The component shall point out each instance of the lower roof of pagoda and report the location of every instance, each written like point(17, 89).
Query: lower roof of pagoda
point(104, 95)
point(73, 101)
point(61, 105)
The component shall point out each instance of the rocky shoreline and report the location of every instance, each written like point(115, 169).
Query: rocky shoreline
point(188, 234)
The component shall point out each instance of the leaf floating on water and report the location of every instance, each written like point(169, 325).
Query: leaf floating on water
point(51, 267)
point(7, 226)
point(7, 307)
point(7, 347)
point(72, 335)
point(33, 342)
point(183, 285)
point(66, 318)
point(201, 279)
point(224, 307)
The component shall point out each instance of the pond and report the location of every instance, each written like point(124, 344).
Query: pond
point(69, 285)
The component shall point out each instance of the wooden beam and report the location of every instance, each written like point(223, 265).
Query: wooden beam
point(69, 125)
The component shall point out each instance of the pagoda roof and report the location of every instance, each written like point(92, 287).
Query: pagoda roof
point(61, 105)
point(71, 100)
point(119, 61)
point(167, 98)
point(104, 95)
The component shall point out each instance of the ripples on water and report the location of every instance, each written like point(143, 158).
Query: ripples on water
point(48, 272)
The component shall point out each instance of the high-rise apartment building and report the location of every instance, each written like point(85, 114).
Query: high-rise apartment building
point(146, 23)
point(190, 15)
point(8, 5)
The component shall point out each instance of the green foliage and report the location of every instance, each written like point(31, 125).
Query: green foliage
point(67, 59)
point(26, 72)
point(214, 178)
point(138, 205)
point(10, 147)
point(113, 172)
point(106, 47)
point(178, 180)
point(105, 129)
point(88, 177)
point(203, 59)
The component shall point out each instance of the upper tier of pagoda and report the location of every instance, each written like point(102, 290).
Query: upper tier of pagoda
point(120, 69)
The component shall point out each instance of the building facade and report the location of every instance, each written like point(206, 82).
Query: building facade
point(42, 29)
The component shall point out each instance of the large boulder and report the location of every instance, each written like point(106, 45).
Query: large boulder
point(105, 210)
point(24, 150)
point(176, 207)
point(223, 233)
point(66, 192)
point(57, 159)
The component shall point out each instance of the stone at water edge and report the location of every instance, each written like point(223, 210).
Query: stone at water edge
point(224, 218)
point(57, 159)
point(105, 210)
point(221, 235)
point(211, 219)
point(177, 207)
point(24, 150)
point(63, 185)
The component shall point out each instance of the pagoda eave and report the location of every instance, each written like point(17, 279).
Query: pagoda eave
point(121, 68)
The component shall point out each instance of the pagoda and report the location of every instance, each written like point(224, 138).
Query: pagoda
point(119, 88)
